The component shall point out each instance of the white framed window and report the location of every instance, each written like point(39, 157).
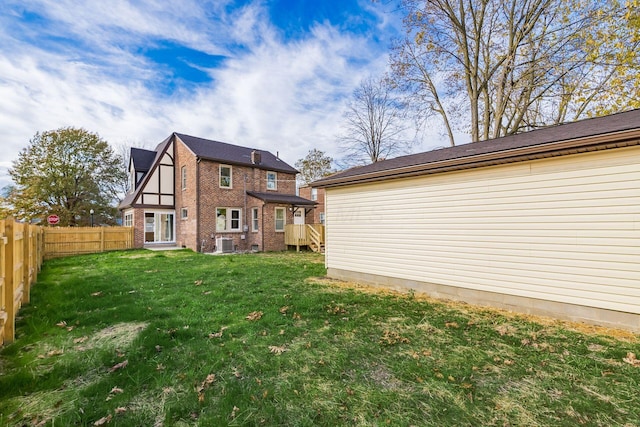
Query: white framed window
point(228, 219)
point(281, 218)
point(226, 176)
point(183, 175)
point(314, 194)
point(321, 217)
point(272, 181)
point(255, 222)
point(184, 213)
point(128, 220)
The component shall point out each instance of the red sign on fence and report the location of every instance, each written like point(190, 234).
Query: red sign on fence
point(53, 219)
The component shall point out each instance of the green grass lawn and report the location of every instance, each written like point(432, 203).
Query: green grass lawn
point(142, 338)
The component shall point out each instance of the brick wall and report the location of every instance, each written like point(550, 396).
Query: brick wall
point(186, 229)
point(313, 217)
point(247, 178)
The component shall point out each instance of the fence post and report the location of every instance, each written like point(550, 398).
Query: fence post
point(9, 300)
point(101, 239)
point(26, 263)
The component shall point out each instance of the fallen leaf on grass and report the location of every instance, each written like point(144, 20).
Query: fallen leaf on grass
point(284, 309)
point(51, 354)
point(80, 340)
point(631, 359)
point(234, 412)
point(120, 365)
point(120, 410)
point(96, 294)
point(453, 325)
point(62, 324)
point(219, 333)
point(116, 390)
point(104, 420)
point(277, 350)
point(205, 385)
point(198, 282)
point(254, 315)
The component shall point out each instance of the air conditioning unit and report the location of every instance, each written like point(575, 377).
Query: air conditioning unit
point(224, 245)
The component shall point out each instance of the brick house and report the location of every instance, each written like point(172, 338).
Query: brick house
point(314, 216)
point(210, 196)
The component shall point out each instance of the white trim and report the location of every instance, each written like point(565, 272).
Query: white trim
point(228, 219)
point(274, 187)
point(230, 186)
point(284, 219)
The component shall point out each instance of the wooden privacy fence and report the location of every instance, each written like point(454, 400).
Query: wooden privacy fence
point(23, 247)
point(21, 255)
point(66, 241)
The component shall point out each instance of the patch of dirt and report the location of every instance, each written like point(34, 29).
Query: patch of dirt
point(619, 334)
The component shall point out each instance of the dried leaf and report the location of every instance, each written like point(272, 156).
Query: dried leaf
point(120, 365)
point(116, 390)
point(62, 324)
point(120, 410)
point(70, 328)
point(234, 412)
point(96, 294)
point(283, 309)
point(198, 282)
point(453, 325)
point(254, 315)
point(277, 350)
point(51, 354)
point(219, 333)
point(296, 316)
point(104, 420)
point(80, 340)
point(631, 359)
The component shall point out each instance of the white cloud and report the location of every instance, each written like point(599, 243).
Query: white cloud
point(279, 95)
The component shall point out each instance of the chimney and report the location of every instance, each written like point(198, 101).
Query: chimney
point(256, 157)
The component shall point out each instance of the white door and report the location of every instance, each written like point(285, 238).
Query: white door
point(298, 216)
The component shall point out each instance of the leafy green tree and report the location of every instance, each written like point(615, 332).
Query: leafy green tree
point(66, 172)
point(314, 166)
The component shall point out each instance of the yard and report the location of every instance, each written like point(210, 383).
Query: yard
point(137, 338)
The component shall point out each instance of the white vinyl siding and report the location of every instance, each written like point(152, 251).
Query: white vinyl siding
point(565, 229)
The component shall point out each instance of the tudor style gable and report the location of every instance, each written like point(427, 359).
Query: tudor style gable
point(159, 188)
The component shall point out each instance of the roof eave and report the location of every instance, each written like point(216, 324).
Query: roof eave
point(565, 147)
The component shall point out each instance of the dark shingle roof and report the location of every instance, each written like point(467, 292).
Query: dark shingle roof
point(234, 154)
point(142, 159)
point(508, 146)
point(289, 199)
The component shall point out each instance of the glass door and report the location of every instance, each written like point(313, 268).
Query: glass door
point(158, 227)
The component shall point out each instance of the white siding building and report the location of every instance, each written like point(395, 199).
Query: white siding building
point(546, 222)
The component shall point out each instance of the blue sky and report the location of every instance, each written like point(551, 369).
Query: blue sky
point(266, 74)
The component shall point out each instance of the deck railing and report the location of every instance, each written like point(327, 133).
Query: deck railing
point(310, 235)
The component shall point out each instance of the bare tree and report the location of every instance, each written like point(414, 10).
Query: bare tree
point(374, 124)
point(504, 66)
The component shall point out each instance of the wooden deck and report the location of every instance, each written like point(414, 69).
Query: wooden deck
point(300, 235)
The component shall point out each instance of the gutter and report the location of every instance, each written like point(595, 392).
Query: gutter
point(619, 139)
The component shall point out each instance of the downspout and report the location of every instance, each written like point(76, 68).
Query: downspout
point(245, 224)
point(199, 243)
